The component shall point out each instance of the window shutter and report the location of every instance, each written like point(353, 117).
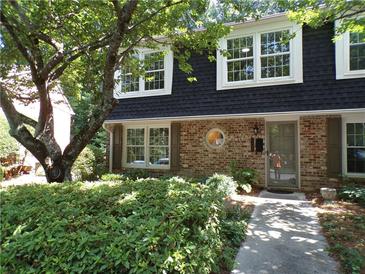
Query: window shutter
point(334, 161)
point(117, 147)
point(175, 147)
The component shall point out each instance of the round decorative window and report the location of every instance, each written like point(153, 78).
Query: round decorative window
point(215, 138)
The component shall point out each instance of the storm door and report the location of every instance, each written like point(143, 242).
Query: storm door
point(282, 155)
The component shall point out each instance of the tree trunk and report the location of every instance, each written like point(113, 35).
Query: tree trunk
point(58, 173)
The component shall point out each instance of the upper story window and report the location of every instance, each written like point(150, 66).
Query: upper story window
point(350, 55)
point(357, 51)
point(261, 54)
point(157, 79)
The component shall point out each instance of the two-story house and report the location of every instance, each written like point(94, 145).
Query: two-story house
point(293, 109)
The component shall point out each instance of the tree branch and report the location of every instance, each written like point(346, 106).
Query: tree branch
point(17, 41)
point(170, 4)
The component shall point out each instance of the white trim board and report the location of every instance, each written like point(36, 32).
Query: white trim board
point(239, 115)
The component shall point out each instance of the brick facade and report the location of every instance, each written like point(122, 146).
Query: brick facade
point(197, 159)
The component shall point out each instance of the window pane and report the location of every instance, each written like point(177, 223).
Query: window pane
point(275, 66)
point(357, 57)
point(159, 136)
point(240, 47)
point(135, 136)
point(240, 70)
point(154, 80)
point(129, 83)
point(159, 155)
point(135, 155)
point(356, 160)
point(350, 128)
point(275, 42)
point(154, 61)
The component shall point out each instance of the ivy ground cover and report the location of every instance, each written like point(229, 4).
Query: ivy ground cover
point(142, 226)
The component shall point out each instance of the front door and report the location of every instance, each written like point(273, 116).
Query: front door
point(282, 155)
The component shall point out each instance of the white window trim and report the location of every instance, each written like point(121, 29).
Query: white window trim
point(146, 146)
point(168, 74)
point(296, 60)
point(343, 58)
point(348, 119)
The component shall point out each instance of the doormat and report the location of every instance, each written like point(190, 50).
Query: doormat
point(280, 191)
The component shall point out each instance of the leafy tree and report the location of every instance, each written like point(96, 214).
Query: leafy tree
point(7, 143)
point(81, 44)
point(316, 13)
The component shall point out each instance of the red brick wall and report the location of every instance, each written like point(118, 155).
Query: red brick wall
point(198, 159)
point(313, 150)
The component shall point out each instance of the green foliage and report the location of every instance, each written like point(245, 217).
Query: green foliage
point(2, 171)
point(136, 173)
point(84, 166)
point(7, 143)
point(351, 259)
point(233, 233)
point(318, 13)
point(353, 193)
point(90, 164)
point(245, 177)
point(143, 226)
point(222, 183)
point(112, 177)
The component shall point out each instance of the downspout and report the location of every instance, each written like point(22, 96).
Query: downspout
point(109, 128)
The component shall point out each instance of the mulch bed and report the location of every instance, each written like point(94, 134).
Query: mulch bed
point(343, 224)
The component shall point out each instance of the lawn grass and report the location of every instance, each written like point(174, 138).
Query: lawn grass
point(142, 226)
point(343, 224)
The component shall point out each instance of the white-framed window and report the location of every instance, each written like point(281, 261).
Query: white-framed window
point(350, 55)
point(261, 54)
point(147, 146)
point(353, 136)
point(157, 79)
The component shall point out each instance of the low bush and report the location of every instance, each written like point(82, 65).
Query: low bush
point(353, 194)
point(222, 183)
point(245, 177)
point(136, 173)
point(112, 177)
point(351, 259)
point(84, 166)
point(143, 226)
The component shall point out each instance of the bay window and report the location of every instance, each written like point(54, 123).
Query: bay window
point(147, 147)
point(260, 55)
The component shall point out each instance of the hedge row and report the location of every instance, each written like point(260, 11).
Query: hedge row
point(143, 226)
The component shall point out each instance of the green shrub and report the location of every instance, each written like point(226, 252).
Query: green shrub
point(222, 183)
point(353, 194)
point(136, 173)
point(233, 232)
point(100, 167)
point(245, 177)
point(143, 226)
point(112, 177)
point(2, 171)
point(84, 166)
point(351, 259)
point(7, 143)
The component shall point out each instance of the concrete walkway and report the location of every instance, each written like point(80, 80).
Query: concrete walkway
point(284, 237)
